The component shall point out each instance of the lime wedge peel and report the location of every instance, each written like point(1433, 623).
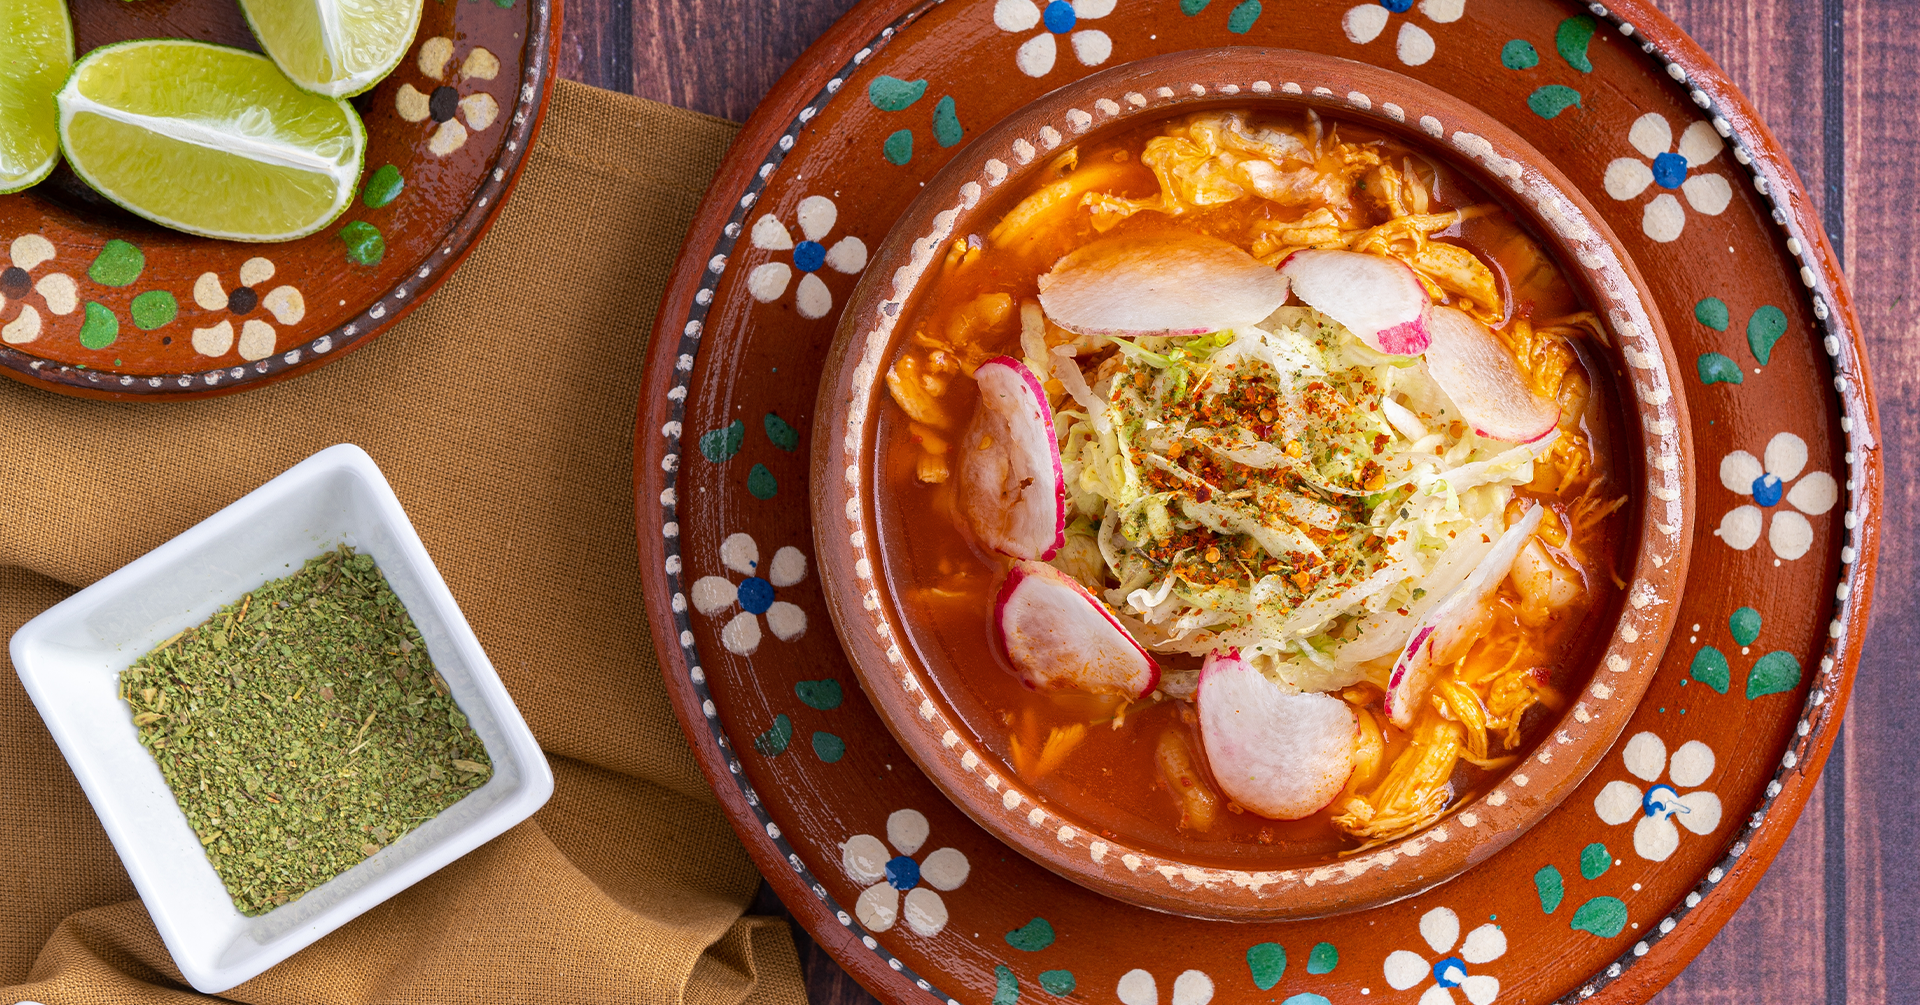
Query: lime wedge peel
point(334, 48)
point(36, 50)
point(209, 140)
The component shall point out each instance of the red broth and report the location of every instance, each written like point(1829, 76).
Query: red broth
point(1112, 779)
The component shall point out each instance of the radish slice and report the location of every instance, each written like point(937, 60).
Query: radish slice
point(1011, 487)
point(1174, 283)
point(1059, 636)
point(1478, 372)
point(1279, 753)
point(1452, 625)
point(1379, 299)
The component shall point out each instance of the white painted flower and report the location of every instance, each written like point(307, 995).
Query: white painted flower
point(58, 292)
point(443, 103)
point(1137, 987)
point(1441, 928)
point(816, 215)
point(1655, 837)
point(1706, 192)
point(1789, 533)
point(754, 594)
point(890, 874)
point(257, 337)
point(1414, 45)
point(1036, 55)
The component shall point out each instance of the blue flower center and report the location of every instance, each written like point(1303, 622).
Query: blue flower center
point(756, 595)
point(1767, 489)
point(1397, 6)
point(1450, 971)
point(1669, 170)
point(1059, 17)
point(808, 256)
point(903, 873)
point(1662, 802)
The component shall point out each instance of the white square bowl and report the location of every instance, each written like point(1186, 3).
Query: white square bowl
point(70, 657)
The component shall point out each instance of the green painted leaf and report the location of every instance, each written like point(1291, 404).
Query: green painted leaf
point(1551, 889)
point(828, 747)
point(1058, 983)
point(1745, 625)
point(1031, 937)
point(118, 264)
point(761, 483)
point(1519, 54)
point(1192, 7)
point(1571, 39)
point(774, 741)
point(1719, 369)
point(824, 695)
point(1323, 959)
point(1307, 998)
point(1267, 962)
point(101, 327)
point(365, 246)
point(782, 435)
point(721, 444)
point(1241, 20)
point(899, 147)
point(382, 187)
point(1006, 987)
point(1595, 860)
point(1549, 101)
point(1764, 329)
point(946, 122)
point(154, 309)
point(891, 94)
point(1712, 312)
point(1602, 916)
point(1773, 673)
point(1710, 668)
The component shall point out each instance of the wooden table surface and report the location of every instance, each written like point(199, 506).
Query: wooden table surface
point(1837, 919)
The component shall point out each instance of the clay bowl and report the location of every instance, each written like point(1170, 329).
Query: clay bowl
point(906, 676)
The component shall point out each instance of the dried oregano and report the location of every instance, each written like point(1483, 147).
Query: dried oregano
point(303, 729)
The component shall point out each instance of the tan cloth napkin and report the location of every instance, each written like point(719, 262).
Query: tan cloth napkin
point(502, 410)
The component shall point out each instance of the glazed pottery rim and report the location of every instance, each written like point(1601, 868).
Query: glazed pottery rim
point(383, 308)
point(908, 697)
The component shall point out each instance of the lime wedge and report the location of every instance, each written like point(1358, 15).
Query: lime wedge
point(36, 48)
point(336, 48)
point(210, 140)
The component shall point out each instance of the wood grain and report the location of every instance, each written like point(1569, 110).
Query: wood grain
point(1837, 918)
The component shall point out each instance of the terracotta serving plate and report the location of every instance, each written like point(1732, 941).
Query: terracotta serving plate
point(120, 300)
point(910, 676)
point(1604, 900)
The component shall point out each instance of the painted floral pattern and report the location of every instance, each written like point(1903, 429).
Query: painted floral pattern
point(257, 336)
point(1663, 166)
point(1137, 987)
point(754, 595)
point(1440, 927)
point(443, 103)
point(57, 290)
point(1055, 19)
point(816, 215)
point(1660, 804)
point(896, 884)
point(1769, 482)
point(1413, 44)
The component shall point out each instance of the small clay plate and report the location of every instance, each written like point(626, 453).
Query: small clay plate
point(1606, 898)
point(120, 299)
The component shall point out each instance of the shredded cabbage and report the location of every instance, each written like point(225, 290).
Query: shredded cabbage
point(1281, 489)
